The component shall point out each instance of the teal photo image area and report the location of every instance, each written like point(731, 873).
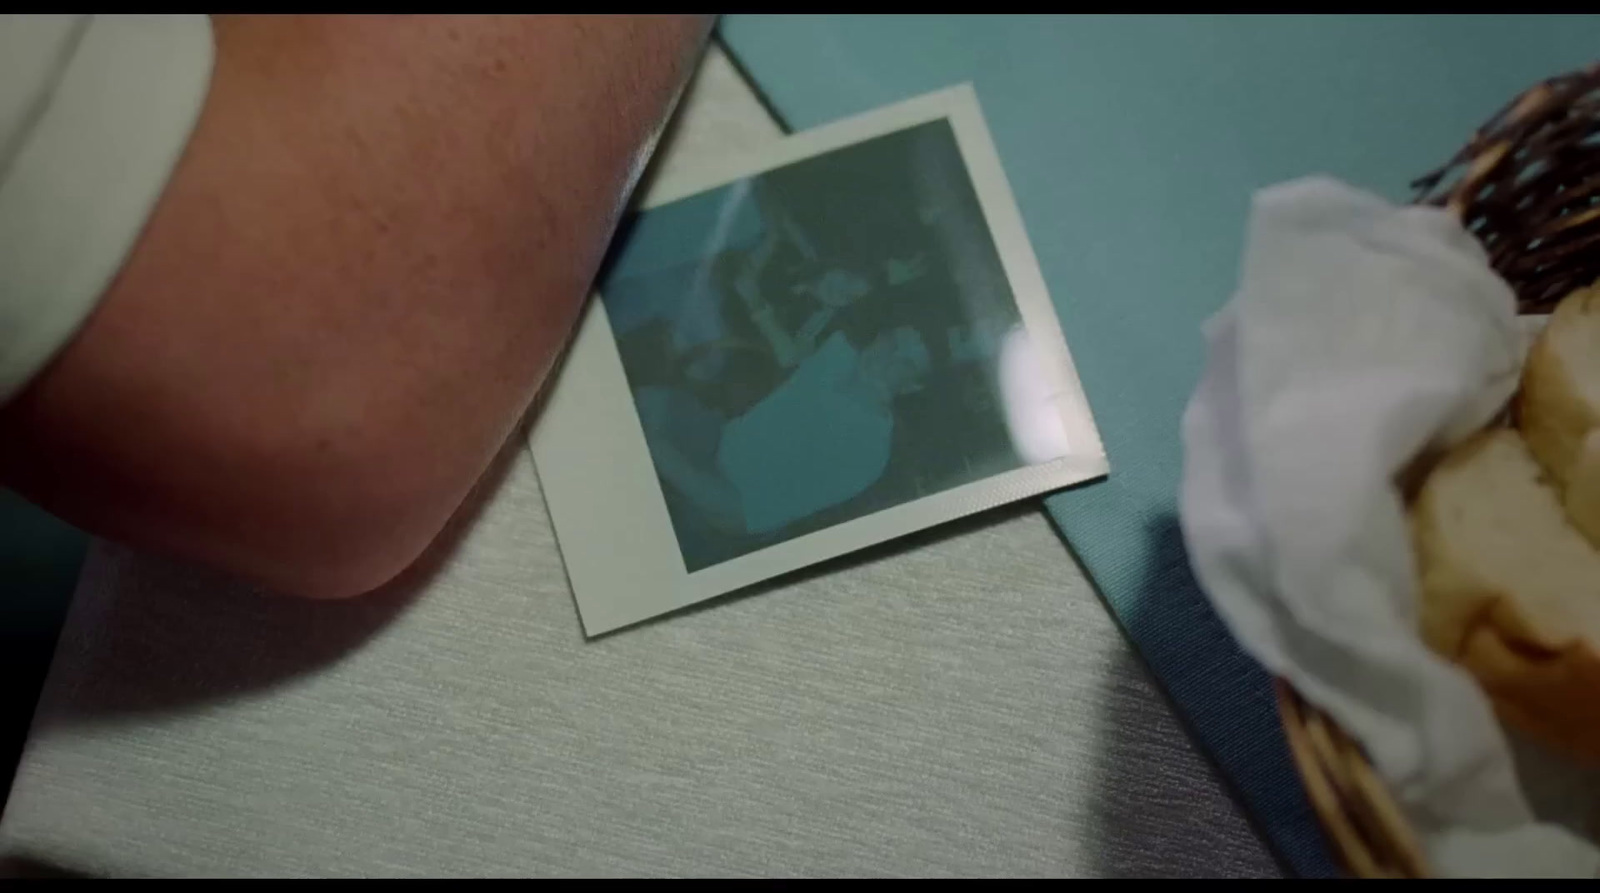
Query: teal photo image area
point(816, 342)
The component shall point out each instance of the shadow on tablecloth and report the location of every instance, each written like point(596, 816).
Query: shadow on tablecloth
point(153, 635)
point(1159, 801)
point(1224, 701)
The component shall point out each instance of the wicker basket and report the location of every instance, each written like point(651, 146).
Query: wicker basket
point(1528, 186)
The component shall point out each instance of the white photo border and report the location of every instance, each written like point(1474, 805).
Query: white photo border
point(600, 484)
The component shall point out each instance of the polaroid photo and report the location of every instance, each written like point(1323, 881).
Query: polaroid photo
point(842, 341)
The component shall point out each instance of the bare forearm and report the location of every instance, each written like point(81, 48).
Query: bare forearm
point(357, 279)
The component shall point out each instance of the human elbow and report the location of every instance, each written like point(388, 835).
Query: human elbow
point(356, 524)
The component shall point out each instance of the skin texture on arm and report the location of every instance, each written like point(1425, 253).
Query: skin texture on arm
point(359, 275)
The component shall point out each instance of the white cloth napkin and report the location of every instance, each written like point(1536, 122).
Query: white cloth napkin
point(1361, 334)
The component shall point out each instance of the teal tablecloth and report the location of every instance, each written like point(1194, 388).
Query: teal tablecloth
point(1133, 145)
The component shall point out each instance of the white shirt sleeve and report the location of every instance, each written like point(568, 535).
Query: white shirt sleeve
point(94, 114)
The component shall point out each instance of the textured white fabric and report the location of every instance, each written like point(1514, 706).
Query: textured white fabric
point(956, 703)
point(94, 113)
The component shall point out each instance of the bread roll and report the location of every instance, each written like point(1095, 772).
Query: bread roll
point(1510, 589)
point(1559, 408)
